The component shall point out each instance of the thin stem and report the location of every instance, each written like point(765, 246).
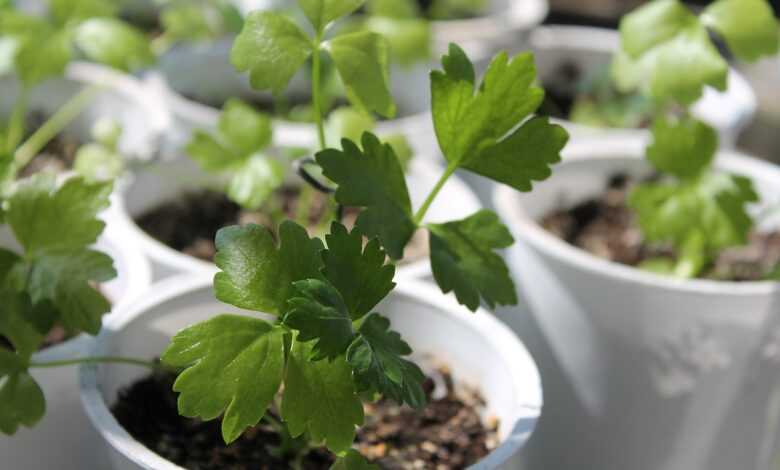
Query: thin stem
point(316, 91)
point(56, 123)
point(96, 360)
point(420, 215)
point(16, 122)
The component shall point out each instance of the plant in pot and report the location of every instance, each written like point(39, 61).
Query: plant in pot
point(300, 366)
point(680, 241)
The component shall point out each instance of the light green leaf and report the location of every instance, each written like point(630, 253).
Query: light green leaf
point(393, 8)
point(43, 57)
point(749, 27)
point(244, 129)
point(347, 123)
point(271, 47)
point(360, 274)
point(75, 201)
point(463, 260)
point(200, 21)
point(478, 128)
point(21, 399)
point(320, 398)
point(255, 181)
point(234, 366)
point(353, 461)
point(361, 60)
point(376, 357)
point(373, 179)
point(323, 12)
point(73, 11)
point(682, 147)
point(652, 24)
point(317, 311)
point(409, 40)
point(96, 163)
point(255, 274)
point(114, 43)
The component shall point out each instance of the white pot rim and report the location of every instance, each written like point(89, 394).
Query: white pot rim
point(122, 221)
point(507, 344)
point(529, 231)
point(521, 15)
point(157, 116)
point(590, 38)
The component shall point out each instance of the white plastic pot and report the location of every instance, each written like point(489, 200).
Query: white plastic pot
point(165, 180)
point(464, 341)
point(673, 374)
point(591, 49)
point(65, 438)
point(144, 120)
point(189, 75)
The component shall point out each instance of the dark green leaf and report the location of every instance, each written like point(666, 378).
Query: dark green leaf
point(749, 27)
point(317, 311)
point(322, 12)
point(255, 274)
point(360, 274)
point(23, 324)
point(463, 260)
point(376, 358)
point(114, 43)
point(373, 179)
point(682, 147)
point(21, 399)
point(457, 65)
point(353, 461)
point(320, 398)
point(234, 366)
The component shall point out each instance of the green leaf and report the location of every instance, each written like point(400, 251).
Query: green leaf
point(96, 163)
point(749, 27)
point(21, 399)
point(463, 260)
point(200, 21)
point(245, 131)
point(255, 274)
point(682, 147)
point(323, 12)
point(234, 366)
point(23, 324)
point(347, 123)
point(361, 60)
point(43, 57)
point(409, 40)
point(376, 357)
point(360, 274)
point(320, 398)
point(658, 41)
point(76, 202)
point(478, 129)
point(393, 8)
point(353, 460)
point(271, 47)
point(73, 11)
point(714, 204)
point(66, 279)
point(114, 43)
point(317, 311)
point(255, 181)
point(372, 178)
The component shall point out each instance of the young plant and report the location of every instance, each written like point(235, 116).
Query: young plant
point(196, 21)
point(667, 52)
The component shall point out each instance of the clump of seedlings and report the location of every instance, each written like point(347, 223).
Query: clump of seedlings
point(689, 219)
point(259, 377)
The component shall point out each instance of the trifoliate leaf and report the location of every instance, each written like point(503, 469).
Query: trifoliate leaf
point(21, 399)
point(320, 399)
point(477, 128)
point(361, 60)
point(66, 279)
point(682, 147)
point(73, 11)
point(76, 202)
point(255, 274)
point(661, 39)
point(463, 260)
point(271, 47)
point(353, 460)
point(714, 204)
point(322, 12)
point(373, 179)
point(234, 366)
point(317, 311)
point(376, 356)
point(96, 163)
point(360, 274)
point(114, 43)
point(254, 181)
point(748, 26)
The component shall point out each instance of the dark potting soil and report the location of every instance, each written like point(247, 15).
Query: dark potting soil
point(447, 434)
point(190, 223)
point(560, 91)
point(606, 227)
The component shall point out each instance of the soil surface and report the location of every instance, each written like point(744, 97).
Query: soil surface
point(560, 92)
point(606, 227)
point(190, 223)
point(447, 434)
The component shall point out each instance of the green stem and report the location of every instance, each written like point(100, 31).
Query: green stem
point(316, 91)
point(96, 360)
point(305, 201)
point(56, 123)
point(420, 215)
point(16, 122)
